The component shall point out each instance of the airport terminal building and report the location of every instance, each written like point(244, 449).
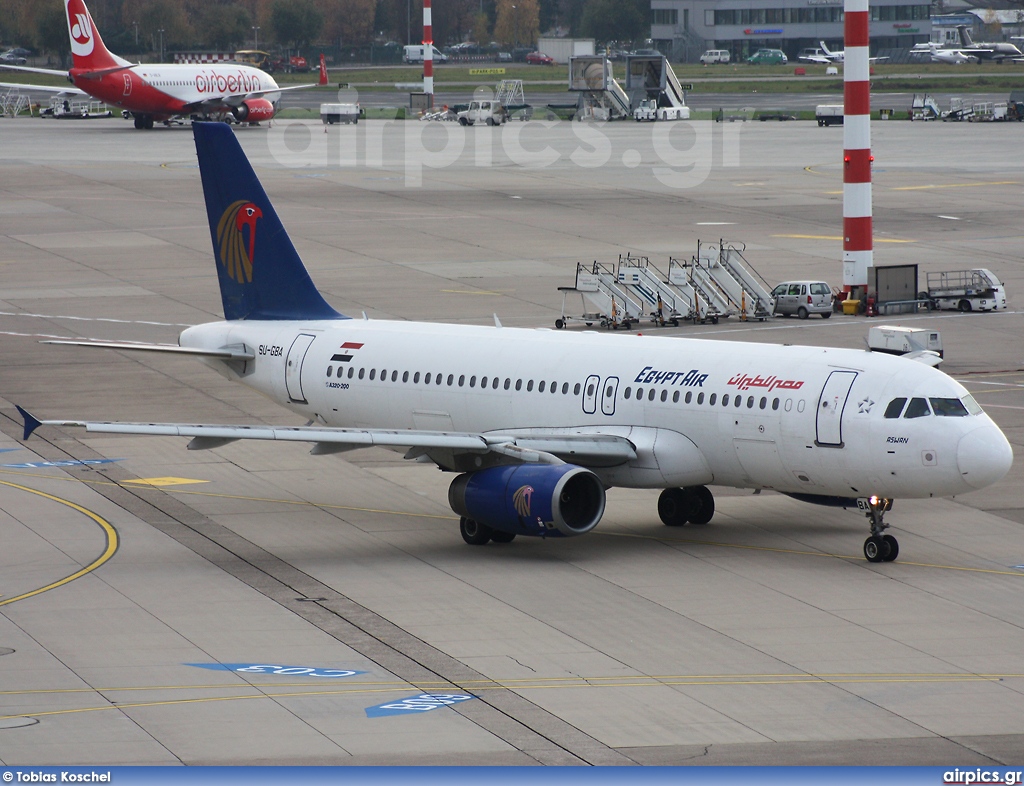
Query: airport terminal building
point(683, 29)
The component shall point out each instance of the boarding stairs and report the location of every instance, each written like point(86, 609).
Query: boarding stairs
point(601, 97)
point(639, 276)
point(726, 280)
point(651, 77)
point(13, 102)
point(597, 286)
point(694, 274)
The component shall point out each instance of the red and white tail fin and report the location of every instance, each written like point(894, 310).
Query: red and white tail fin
point(87, 47)
point(323, 70)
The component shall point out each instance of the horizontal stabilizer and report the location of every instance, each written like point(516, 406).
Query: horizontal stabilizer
point(224, 353)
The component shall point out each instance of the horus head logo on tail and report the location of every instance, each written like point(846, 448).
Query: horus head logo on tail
point(236, 256)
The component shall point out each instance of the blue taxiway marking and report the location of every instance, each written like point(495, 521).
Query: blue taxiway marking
point(287, 671)
point(423, 702)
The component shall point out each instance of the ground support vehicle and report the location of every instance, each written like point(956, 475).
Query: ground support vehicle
point(829, 114)
point(965, 290)
point(339, 113)
point(648, 110)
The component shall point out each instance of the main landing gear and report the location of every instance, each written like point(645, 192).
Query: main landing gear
point(878, 547)
point(695, 504)
point(477, 534)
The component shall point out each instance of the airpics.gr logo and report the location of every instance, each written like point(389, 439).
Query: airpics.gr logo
point(80, 26)
point(521, 500)
point(236, 258)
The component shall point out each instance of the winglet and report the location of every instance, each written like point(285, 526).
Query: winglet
point(31, 423)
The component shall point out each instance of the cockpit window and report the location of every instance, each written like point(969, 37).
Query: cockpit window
point(918, 408)
point(948, 407)
point(973, 407)
point(895, 408)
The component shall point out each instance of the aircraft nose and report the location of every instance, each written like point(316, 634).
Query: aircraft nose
point(984, 456)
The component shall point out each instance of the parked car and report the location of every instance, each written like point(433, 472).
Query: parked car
point(803, 298)
point(12, 58)
point(713, 56)
point(490, 113)
point(768, 57)
point(503, 57)
point(539, 58)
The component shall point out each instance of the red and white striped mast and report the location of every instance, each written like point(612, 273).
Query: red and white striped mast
point(428, 55)
point(857, 158)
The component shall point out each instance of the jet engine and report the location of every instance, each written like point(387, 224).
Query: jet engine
point(559, 500)
point(252, 110)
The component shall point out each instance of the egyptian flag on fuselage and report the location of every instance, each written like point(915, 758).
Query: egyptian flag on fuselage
point(346, 352)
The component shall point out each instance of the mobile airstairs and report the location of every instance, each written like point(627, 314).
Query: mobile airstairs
point(600, 96)
point(650, 79)
point(725, 279)
point(610, 305)
point(664, 303)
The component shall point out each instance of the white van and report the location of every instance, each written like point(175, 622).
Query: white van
point(803, 298)
point(713, 56)
point(414, 54)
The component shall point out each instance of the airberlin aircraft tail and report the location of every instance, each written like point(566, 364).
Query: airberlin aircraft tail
point(260, 273)
point(87, 48)
point(323, 70)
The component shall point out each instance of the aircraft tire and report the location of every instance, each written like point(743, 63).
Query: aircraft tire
point(674, 506)
point(473, 532)
point(875, 549)
point(702, 505)
point(559, 324)
point(502, 537)
point(139, 123)
point(894, 548)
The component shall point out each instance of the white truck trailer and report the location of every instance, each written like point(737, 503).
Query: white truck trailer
point(965, 290)
point(897, 340)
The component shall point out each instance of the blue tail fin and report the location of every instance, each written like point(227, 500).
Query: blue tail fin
point(261, 275)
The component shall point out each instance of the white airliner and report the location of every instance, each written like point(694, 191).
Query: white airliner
point(539, 423)
point(158, 92)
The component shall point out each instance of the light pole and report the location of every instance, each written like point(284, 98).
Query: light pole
point(161, 32)
point(136, 26)
point(408, 22)
point(515, 27)
point(255, 37)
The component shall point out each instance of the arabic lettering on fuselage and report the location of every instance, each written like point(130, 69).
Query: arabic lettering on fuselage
point(745, 382)
point(651, 376)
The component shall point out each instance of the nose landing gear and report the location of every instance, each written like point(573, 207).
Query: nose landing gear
point(878, 547)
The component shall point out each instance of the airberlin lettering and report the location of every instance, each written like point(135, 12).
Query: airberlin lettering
point(743, 382)
point(651, 376)
point(216, 82)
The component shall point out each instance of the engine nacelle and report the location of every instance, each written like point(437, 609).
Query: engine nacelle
point(559, 500)
point(252, 110)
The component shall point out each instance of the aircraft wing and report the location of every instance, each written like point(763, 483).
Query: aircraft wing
point(604, 449)
point(32, 70)
point(44, 89)
point(816, 59)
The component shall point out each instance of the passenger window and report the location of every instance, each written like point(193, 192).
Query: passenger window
point(918, 408)
point(483, 382)
point(330, 370)
point(664, 395)
point(361, 372)
point(651, 394)
point(725, 399)
point(738, 401)
point(462, 380)
point(554, 387)
point(508, 383)
point(519, 386)
point(689, 396)
point(948, 407)
point(627, 394)
point(775, 404)
point(764, 402)
point(426, 379)
point(750, 402)
point(543, 384)
point(373, 374)
point(713, 399)
point(895, 408)
point(700, 398)
point(416, 378)
point(394, 376)
point(351, 371)
point(576, 389)
point(565, 388)
point(675, 397)
point(405, 376)
point(529, 386)
point(494, 383)
point(451, 379)
point(383, 375)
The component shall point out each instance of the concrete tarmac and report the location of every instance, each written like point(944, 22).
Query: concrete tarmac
point(254, 604)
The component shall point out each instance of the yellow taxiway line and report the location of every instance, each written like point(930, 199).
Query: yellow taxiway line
point(109, 550)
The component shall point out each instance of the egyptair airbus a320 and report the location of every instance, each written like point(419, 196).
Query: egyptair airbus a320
point(161, 92)
point(537, 424)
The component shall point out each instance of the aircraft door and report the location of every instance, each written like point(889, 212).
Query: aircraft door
point(293, 366)
point(829, 418)
point(609, 390)
point(590, 390)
